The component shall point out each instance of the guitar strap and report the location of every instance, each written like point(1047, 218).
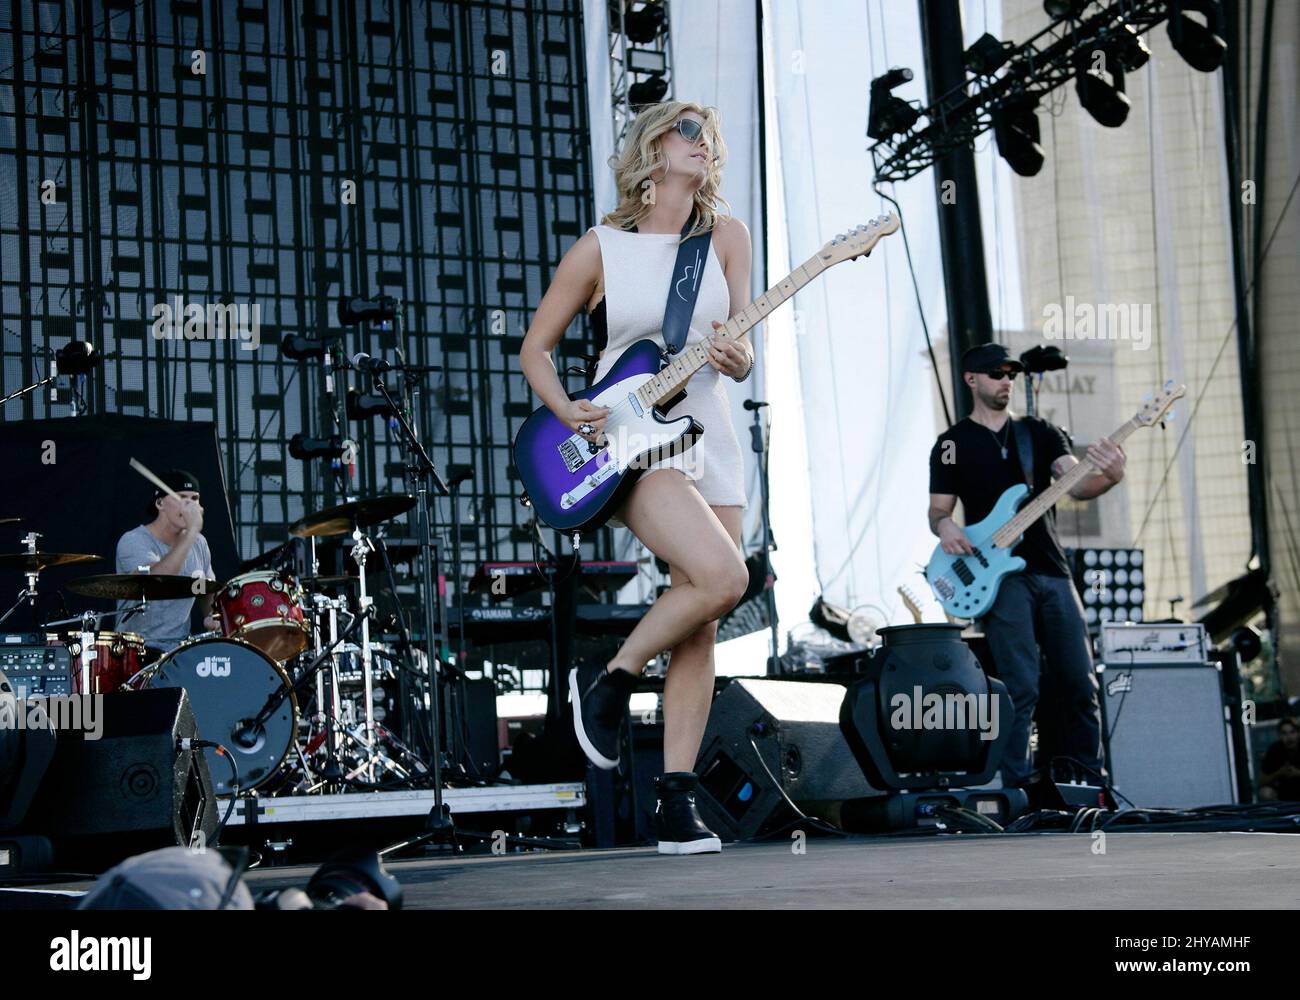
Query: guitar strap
point(684, 289)
point(1025, 449)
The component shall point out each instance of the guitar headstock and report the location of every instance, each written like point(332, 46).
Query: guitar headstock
point(1153, 410)
point(859, 241)
point(911, 602)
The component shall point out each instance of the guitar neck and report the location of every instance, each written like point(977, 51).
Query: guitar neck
point(1007, 535)
point(673, 378)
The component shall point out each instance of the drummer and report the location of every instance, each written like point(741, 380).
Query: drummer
point(171, 543)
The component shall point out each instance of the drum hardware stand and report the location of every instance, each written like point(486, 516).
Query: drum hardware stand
point(421, 470)
point(361, 548)
point(327, 695)
point(248, 731)
point(28, 593)
point(760, 447)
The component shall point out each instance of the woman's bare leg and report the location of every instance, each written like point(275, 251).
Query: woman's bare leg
point(688, 691)
point(672, 520)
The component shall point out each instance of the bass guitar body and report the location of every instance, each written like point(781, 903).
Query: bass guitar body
point(967, 585)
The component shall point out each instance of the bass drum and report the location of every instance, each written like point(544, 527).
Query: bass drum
point(230, 683)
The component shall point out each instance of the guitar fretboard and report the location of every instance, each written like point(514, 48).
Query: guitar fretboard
point(674, 376)
point(1007, 535)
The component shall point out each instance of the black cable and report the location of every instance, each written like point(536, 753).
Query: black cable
point(916, 288)
point(803, 817)
point(234, 784)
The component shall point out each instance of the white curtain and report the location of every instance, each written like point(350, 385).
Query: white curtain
point(861, 380)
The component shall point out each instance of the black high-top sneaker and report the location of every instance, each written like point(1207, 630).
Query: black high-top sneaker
point(598, 711)
point(679, 827)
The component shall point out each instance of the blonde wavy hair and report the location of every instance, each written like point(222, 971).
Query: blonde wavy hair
point(643, 155)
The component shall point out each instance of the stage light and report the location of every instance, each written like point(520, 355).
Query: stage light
point(888, 114)
point(924, 668)
point(987, 55)
point(1015, 127)
point(641, 25)
point(381, 309)
point(648, 91)
point(1105, 101)
point(1201, 45)
point(1057, 9)
point(1247, 642)
point(298, 347)
point(77, 358)
point(1128, 47)
point(1110, 583)
point(647, 61)
point(305, 448)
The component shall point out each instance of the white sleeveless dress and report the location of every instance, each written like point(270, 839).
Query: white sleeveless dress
point(637, 270)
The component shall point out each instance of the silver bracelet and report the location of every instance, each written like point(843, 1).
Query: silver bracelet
point(748, 371)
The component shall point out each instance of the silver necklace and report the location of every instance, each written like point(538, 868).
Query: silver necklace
point(1001, 439)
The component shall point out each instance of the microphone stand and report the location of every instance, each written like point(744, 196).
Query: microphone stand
point(422, 470)
point(759, 445)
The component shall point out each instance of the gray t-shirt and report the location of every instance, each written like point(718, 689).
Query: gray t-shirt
point(164, 624)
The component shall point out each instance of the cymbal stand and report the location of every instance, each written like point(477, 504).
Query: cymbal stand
point(361, 548)
point(28, 593)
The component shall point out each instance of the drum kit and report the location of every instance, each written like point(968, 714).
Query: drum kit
point(291, 685)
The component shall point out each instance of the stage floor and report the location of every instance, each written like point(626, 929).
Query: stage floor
point(1042, 871)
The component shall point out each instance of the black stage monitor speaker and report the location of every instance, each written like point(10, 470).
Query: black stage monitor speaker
point(131, 790)
point(1168, 741)
point(789, 730)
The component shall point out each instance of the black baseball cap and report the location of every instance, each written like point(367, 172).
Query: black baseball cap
point(179, 480)
point(987, 358)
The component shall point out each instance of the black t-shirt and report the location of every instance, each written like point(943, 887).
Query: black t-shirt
point(977, 474)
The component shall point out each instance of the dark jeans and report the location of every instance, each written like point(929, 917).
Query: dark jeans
point(1036, 613)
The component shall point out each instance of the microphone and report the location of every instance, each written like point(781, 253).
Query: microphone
point(754, 404)
point(375, 366)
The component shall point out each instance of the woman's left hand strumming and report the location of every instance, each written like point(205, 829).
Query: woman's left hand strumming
point(729, 357)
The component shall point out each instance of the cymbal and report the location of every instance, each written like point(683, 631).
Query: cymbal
point(5, 519)
point(139, 586)
point(342, 519)
point(36, 562)
point(308, 582)
point(267, 558)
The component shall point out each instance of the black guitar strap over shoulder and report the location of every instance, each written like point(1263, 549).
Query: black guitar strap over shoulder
point(684, 289)
point(1025, 449)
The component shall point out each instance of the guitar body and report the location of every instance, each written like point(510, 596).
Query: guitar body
point(574, 486)
point(967, 585)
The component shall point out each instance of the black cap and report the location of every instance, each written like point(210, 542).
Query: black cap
point(987, 358)
point(180, 481)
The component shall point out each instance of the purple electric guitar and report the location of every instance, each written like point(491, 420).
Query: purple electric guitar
point(575, 485)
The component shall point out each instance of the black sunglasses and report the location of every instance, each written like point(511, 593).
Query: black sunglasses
point(1000, 374)
point(689, 128)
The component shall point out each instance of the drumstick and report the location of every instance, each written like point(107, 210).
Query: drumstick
point(139, 467)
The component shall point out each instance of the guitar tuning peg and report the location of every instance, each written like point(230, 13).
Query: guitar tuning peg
point(1169, 385)
point(1172, 415)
